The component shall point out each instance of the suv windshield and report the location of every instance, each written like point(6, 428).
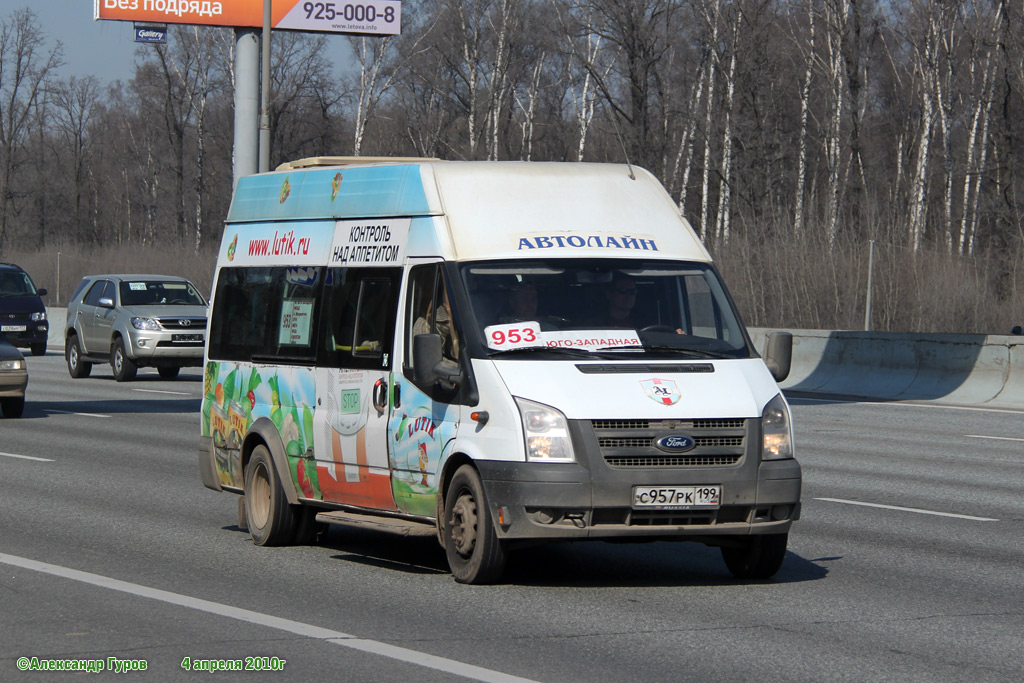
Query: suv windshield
point(15, 283)
point(159, 292)
point(657, 308)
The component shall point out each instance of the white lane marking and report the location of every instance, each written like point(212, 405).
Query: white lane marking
point(26, 457)
point(905, 404)
point(71, 412)
point(161, 391)
point(997, 438)
point(903, 509)
point(297, 627)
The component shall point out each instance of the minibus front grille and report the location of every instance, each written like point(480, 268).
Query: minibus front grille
point(635, 443)
point(671, 461)
point(668, 424)
point(644, 442)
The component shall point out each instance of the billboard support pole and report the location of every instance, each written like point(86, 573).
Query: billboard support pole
point(265, 93)
point(245, 160)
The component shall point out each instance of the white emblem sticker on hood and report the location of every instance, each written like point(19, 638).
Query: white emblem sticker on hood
point(663, 391)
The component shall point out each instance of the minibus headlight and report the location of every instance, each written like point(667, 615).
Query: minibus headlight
point(146, 324)
point(547, 433)
point(776, 430)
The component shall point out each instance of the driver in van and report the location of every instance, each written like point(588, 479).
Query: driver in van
point(621, 297)
point(522, 304)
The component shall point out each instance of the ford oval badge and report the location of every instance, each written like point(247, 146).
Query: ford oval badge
point(675, 443)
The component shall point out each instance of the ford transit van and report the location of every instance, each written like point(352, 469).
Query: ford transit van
point(495, 353)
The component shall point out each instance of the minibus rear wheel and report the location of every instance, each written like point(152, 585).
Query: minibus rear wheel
point(267, 512)
point(760, 557)
point(475, 554)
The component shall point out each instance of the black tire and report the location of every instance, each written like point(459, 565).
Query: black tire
point(307, 529)
point(77, 367)
point(759, 558)
point(13, 406)
point(124, 367)
point(270, 518)
point(168, 371)
point(243, 522)
point(38, 349)
point(475, 554)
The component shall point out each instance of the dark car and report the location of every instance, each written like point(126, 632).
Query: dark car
point(22, 314)
point(13, 379)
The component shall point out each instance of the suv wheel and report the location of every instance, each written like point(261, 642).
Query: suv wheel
point(124, 367)
point(77, 367)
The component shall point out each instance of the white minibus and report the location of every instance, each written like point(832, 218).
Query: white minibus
point(498, 353)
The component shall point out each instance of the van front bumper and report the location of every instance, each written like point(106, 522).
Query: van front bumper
point(565, 502)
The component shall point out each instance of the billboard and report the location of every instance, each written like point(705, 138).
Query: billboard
point(362, 16)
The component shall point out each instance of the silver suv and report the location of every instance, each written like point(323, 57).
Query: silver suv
point(133, 321)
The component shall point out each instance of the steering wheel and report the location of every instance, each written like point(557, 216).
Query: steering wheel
point(658, 328)
point(178, 301)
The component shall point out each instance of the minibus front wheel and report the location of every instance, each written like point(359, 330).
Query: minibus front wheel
point(475, 554)
point(759, 557)
point(270, 518)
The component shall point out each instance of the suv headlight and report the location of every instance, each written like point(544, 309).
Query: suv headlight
point(146, 324)
point(12, 364)
point(546, 431)
point(776, 430)
point(36, 317)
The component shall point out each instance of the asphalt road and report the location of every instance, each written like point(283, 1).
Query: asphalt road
point(908, 565)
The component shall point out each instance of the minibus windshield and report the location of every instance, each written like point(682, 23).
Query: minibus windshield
point(662, 309)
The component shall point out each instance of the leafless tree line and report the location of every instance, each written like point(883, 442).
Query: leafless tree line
point(790, 132)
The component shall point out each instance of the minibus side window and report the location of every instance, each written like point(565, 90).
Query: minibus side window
point(360, 306)
point(265, 314)
point(429, 311)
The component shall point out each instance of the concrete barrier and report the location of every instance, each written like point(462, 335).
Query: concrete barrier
point(963, 369)
point(57, 317)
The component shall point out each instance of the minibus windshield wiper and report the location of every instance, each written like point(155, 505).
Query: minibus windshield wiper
point(565, 350)
point(692, 352)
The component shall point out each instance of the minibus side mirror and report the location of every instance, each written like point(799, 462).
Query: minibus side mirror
point(778, 354)
point(429, 364)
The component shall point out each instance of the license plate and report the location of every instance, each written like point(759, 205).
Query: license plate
point(187, 337)
point(677, 497)
point(13, 328)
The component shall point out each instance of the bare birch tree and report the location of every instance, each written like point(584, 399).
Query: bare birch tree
point(25, 65)
point(75, 102)
point(802, 135)
point(925, 67)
